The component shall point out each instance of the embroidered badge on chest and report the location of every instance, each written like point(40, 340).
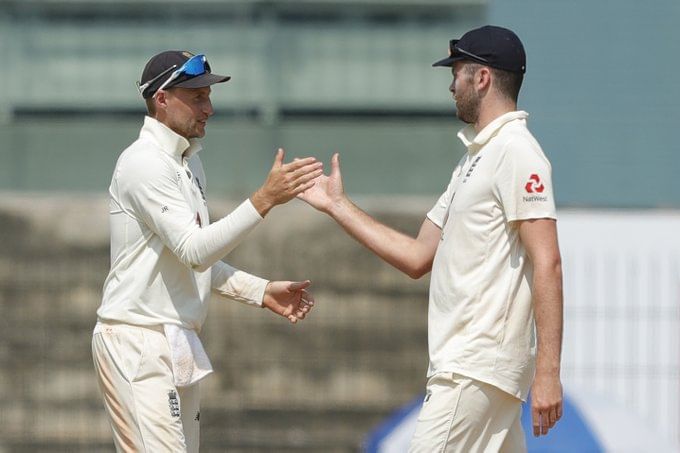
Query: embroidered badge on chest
point(471, 169)
point(200, 187)
point(173, 402)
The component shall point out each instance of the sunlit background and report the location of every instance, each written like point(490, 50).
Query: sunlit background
point(317, 77)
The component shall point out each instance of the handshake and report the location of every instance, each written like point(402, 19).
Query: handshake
point(301, 178)
point(304, 179)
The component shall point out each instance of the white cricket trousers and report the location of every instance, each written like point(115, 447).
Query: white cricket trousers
point(463, 415)
point(147, 413)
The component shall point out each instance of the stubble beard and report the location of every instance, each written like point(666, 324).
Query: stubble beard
point(194, 130)
point(467, 107)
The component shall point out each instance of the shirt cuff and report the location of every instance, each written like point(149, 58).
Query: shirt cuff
point(238, 285)
point(430, 215)
point(249, 209)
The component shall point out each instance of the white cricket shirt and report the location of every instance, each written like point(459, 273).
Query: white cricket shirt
point(481, 320)
point(165, 254)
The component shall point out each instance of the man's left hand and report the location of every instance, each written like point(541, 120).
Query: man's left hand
point(546, 402)
point(289, 299)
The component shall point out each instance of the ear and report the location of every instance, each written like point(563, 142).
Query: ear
point(483, 78)
point(161, 100)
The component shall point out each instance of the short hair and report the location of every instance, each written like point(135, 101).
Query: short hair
point(507, 83)
point(471, 68)
point(150, 106)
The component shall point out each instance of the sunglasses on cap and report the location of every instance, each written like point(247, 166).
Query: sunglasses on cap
point(469, 54)
point(455, 49)
point(194, 66)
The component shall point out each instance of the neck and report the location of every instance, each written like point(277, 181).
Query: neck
point(491, 110)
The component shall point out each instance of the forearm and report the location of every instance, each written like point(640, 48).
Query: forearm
point(203, 247)
point(548, 312)
point(237, 285)
point(399, 250)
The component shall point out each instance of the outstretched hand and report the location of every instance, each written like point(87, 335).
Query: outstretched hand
point(327, 191)
point(289, 299)
point(285, 181)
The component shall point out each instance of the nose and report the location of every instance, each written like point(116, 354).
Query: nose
point(452, 87)
point(208, 108)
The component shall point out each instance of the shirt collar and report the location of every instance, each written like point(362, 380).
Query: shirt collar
point(170, 141)
point(474, 141)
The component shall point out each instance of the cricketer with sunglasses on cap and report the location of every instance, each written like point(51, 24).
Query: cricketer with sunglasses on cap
point(495, 302)
point(166, 261)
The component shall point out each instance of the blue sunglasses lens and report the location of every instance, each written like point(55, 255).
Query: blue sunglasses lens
point(194, 66)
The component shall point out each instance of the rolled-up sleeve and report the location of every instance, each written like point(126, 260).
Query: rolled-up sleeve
point(237, 285)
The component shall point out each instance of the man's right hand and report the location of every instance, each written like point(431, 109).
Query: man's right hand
point(413, 256)
point(327, 191)
point(285, 181)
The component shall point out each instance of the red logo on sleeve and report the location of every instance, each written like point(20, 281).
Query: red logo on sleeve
point(534, 185)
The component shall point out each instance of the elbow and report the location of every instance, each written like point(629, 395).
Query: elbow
point(555, 265)
point(418, 266)
point(418, 271)
point(194, 260)
point(195, 263)
point(549, 267)
point(194, 254)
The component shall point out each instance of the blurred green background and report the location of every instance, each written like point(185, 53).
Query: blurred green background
point(350, 76)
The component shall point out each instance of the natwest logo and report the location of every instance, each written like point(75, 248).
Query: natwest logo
point(534, 185)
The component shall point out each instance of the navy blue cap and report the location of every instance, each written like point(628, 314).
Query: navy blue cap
point(160, 67)
point(492, 46)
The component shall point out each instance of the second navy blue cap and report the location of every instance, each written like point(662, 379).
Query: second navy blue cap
point(492, 46)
